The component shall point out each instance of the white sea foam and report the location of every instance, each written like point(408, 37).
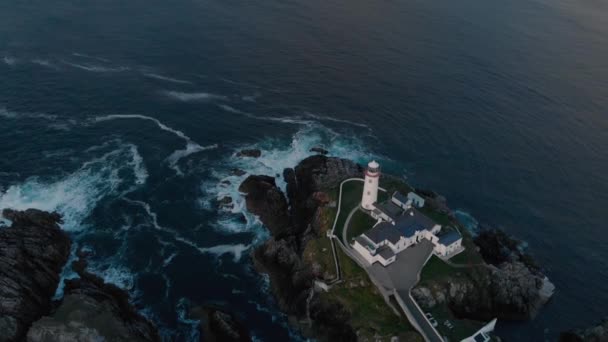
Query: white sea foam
point(329, 118)
point(118, 275)
point(467, 220)
point(183, 308)
point(8, 114)
point(287, 120)
point(45, 63)
point(67, 272)
point(251, 98)
point(168, 260)
point(77, 194)
point(83, 55)
point(10, 61)
point(96, 68)
point(176, 156)
point(192, 97)
point(191, 147)
point(276, 156)
point(165, 78)
point(236, 250)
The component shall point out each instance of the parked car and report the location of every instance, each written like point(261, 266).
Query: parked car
point(431, 319)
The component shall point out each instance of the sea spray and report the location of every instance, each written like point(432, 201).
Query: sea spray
point(277, 154)
point(77, 194)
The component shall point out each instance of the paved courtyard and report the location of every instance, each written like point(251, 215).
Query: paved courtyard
point(401, 276)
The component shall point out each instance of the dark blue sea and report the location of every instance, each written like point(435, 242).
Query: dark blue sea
point(125, 116)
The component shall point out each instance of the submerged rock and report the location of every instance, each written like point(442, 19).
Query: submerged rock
point(253, 153)
point(319, 150)
point(218, 325)
point(238, 172)
point(33, 251)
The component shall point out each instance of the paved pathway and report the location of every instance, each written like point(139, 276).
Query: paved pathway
point(400, 277)
point(346, 225)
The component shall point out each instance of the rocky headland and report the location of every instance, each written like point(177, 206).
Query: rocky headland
point(505, 284)
point(33, 251)
point(597, 333)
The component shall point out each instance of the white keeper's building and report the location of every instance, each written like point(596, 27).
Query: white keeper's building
point(400, 224)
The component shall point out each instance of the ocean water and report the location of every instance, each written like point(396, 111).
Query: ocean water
point(125, 116)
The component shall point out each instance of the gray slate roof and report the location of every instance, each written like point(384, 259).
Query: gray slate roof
point(400, 197)
point(383, 231)
point(412, 221)
point(390, 209)
point(449, 238)
point(386, 252)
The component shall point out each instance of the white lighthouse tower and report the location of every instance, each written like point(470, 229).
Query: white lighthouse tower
point(370, 188)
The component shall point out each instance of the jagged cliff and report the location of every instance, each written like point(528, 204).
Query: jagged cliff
point(33, 251)
point(508, 286)
point(291, 222)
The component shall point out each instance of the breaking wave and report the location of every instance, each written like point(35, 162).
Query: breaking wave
point(76, 195)
point(45, 63)
point(96, 68)
point(118, 275)
point(329, 118)
point(277, 154)
point(468, 221)
point(287, 120)
point(165, 78)
point(192, 97)
point(82, 55)
point(174, 158)
point(10, 61)
point(8, 114)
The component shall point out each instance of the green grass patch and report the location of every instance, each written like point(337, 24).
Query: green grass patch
point(436, 268)
point(351, 197)
point(350, 269)
point(319, 251)
point(359, 223)
point(392, 184)
point(442, 219)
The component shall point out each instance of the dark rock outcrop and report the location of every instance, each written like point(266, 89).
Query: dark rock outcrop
point(267, 201)
point(496, 247)
point(92, 310)
point(319, 150)
point(33, 251)
point(253, 153)
point(510, 286)
point(237, 172)
point(598, 333)
point(217, 325)
point(291, 227)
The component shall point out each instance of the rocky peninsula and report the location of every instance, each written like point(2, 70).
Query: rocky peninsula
point(503, 282)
